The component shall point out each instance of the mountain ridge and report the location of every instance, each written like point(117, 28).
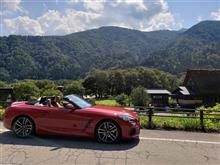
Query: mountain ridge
point(73, 55)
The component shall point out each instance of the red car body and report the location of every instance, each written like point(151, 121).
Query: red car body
point(68, 122)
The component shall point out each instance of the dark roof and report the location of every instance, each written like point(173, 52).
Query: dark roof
point(186, 91)
point(203, 81)
point(6, 89)
point(5, 92)
point(158, 91)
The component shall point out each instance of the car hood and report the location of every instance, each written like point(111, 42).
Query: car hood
point(113, 109)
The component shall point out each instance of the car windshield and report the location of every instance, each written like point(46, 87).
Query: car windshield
point(79, 101)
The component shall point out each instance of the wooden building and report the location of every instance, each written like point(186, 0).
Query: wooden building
point(6, 96)
point(159, 97)
point(200, 87)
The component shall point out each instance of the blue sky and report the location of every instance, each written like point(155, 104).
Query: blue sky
point(60, 17)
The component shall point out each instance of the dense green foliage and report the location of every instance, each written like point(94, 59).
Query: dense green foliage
point(139, 97)
point(32, 89)
point(122, 99)
point(74, 88)
point(99, 83)
point(102, 83)
point(198, 47)
point(26, 90)
point(3, 84)
point(72, 56)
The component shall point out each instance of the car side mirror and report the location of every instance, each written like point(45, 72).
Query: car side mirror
point(70, 106)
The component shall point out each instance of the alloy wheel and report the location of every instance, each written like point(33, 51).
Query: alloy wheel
point(108, 132)
point(23, 127)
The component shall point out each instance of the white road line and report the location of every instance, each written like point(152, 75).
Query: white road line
point(163, 139)
point(179, 140)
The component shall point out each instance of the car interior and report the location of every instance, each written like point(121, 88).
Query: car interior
point(50, 101)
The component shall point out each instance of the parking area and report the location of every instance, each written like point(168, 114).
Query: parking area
point(153, 147)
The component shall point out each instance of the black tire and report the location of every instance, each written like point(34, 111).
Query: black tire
point(23, 127)
point(108, 132)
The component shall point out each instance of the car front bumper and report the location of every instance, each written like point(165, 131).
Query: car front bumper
point(131, 130)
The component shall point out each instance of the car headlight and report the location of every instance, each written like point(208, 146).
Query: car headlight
point(127, 118)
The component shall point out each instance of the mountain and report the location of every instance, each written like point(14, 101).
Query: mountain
point(196, 48)
point(73, 55)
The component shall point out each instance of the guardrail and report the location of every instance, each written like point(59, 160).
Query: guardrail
point(201, 114)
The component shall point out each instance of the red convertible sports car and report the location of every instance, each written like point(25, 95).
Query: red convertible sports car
point(77, 117)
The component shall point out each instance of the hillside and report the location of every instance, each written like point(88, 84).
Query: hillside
point(196, 48)
point(72, 56)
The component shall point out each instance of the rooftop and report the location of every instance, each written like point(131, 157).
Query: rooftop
point(158, 91)
point(185, 91)
point(203, 81)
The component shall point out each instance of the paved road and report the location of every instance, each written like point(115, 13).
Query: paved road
point(153, 147)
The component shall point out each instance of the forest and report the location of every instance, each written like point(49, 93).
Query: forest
point(98, 83)
point(75, 55)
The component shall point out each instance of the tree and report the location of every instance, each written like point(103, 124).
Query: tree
point(97, 83)
point(122, 99)
point(131, 80)
point(52, 92)
point(90, 85)
point(116, 82)
point(75, 87)
point(139, 96)
point(3, 84)
point(26, 90)
point(46, 85)
point(4, 74)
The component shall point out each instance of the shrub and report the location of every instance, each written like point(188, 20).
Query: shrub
point(122, 99)
point(74, 88)
point(172, 102)
point(143, 121)
point(139, 96)
point(26, 90)
point(176, 123)
point(52, 92)
point(3, 84)
point(212, 124)
point(2, 111)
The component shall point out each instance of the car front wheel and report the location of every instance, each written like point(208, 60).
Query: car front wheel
point(108, 132)
point(23, 127)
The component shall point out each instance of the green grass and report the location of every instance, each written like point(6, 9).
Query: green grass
point(106, 102)
point(181, 123)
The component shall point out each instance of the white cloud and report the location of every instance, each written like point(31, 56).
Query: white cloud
point(53, 22)
point(95, 5)
point(139, 14)
point(199, 18)
point(72, 1)
point(216, 15)
point(23, 25)
point(11, 6)
point(163, 20)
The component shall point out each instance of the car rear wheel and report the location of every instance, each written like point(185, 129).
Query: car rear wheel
point(23, 126)
point(108, 132)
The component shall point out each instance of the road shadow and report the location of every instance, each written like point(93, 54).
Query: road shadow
point(58, 142)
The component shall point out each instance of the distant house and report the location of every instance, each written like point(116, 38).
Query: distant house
point(159, 97)
point(200, 87)
point(6, 96)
